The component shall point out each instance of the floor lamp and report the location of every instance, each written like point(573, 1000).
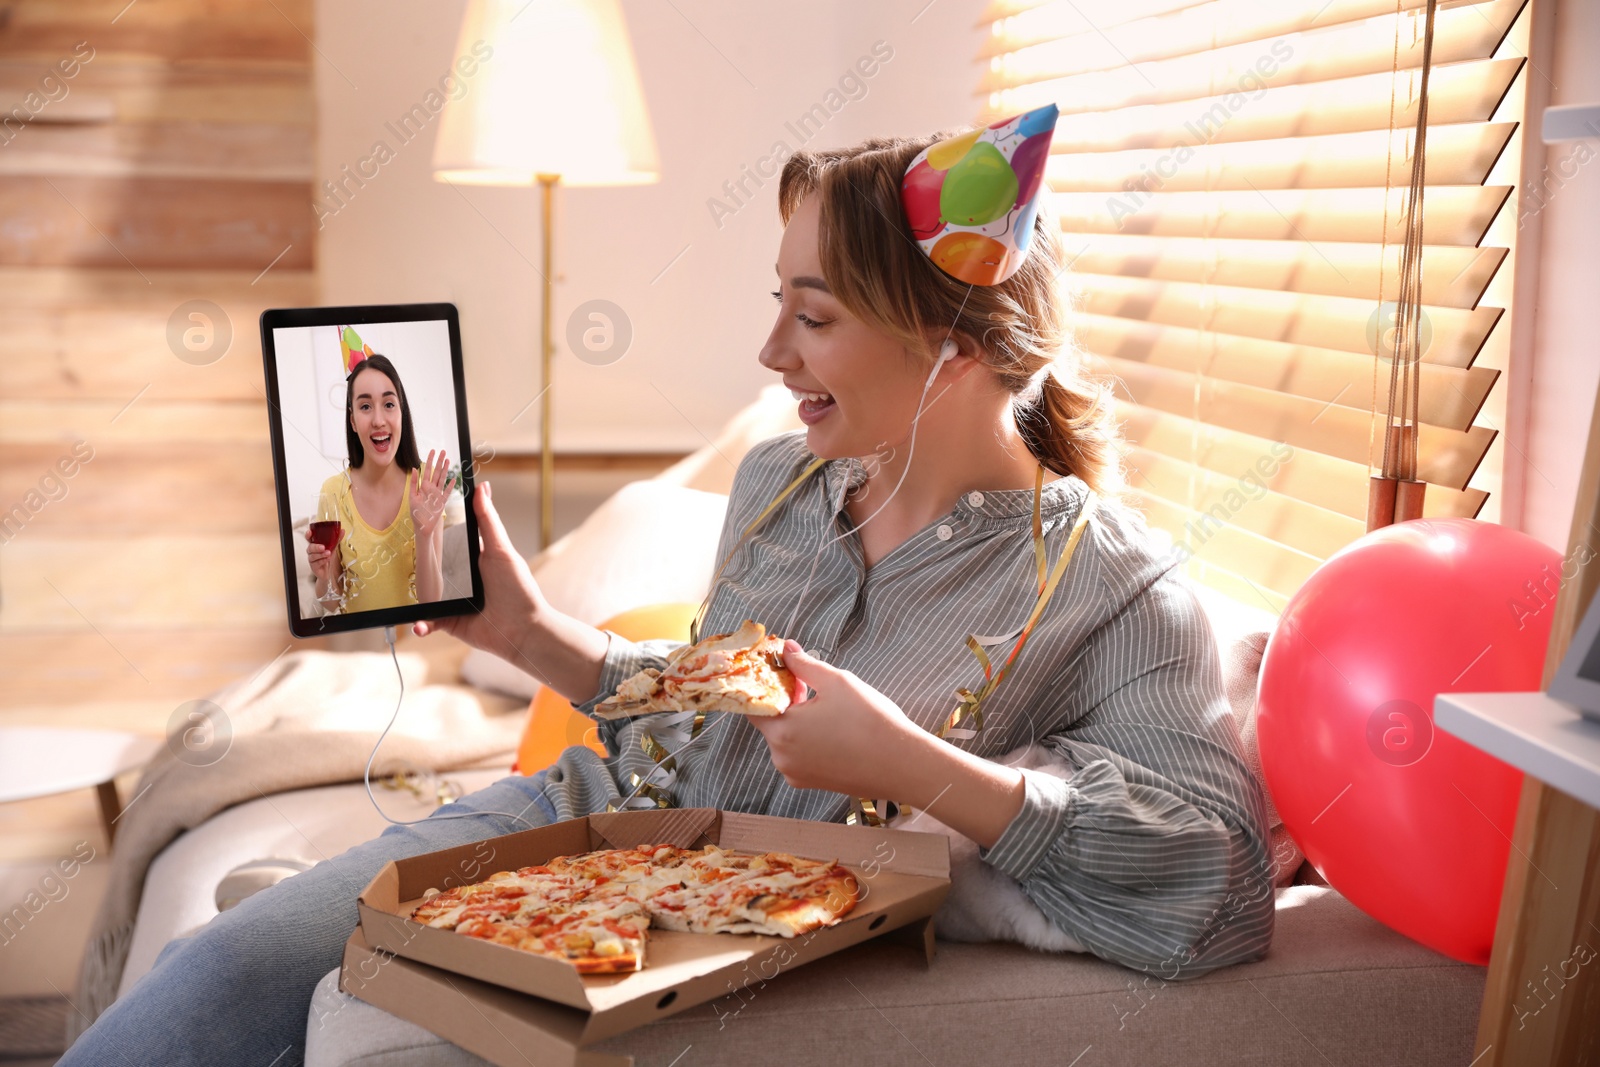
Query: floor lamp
point(545, 92)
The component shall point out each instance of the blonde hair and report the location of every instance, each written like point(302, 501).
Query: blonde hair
point(878, 272)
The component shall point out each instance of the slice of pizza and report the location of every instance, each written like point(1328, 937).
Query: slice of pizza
point(569, 913)
point(741, 672)
point(502, 894)
point(772, 893)
point(601, 935)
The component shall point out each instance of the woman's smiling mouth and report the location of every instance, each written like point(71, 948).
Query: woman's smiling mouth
point(380, 442)
point(814, 407)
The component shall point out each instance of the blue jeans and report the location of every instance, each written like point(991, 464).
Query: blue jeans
point(238, 992)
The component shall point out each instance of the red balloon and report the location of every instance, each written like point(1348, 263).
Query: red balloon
point(919, 192)
point(1412, 824)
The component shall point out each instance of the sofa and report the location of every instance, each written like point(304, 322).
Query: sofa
point(1337, 987)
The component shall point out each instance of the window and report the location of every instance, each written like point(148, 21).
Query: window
point(1232, 181)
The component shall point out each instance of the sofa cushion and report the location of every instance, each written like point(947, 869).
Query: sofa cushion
point(1329, 966)
point(710, 468)
point(179, 892)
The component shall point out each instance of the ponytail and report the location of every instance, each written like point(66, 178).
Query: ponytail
point(1069, 427)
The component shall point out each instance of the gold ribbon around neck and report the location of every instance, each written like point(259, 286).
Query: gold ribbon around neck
point(970, 705)
point(699, 615)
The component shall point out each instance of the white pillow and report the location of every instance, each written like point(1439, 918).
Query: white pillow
point(711, 466)
point(649, 543)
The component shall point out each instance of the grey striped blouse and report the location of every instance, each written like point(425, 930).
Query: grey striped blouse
point(1154, 854)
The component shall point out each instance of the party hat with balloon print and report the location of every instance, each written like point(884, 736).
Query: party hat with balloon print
point(351, 348)
point(971, 200)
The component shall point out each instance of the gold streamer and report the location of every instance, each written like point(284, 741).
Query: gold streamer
point(969, 706)
point(665, 760)
point(657, 752)
point(699, 615)
point(1038, 524)
point(864, 812)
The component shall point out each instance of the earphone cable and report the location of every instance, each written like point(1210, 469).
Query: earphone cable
point(366, 775)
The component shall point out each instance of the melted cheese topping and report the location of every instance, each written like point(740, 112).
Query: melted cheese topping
point(601, 904)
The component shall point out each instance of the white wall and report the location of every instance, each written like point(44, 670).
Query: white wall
point(1557, 386)
point(721, 78)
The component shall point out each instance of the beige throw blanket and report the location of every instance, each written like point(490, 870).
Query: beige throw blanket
point(308, 719)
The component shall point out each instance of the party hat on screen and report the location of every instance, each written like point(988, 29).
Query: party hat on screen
point(352, 349)
point(971, 200)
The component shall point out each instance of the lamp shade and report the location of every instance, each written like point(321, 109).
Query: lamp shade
point(555, 91)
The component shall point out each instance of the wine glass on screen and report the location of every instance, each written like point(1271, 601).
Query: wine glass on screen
point(326, 531)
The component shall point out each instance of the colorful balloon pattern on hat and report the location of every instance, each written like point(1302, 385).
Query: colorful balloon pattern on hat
point(971, 200)
point(352, 349)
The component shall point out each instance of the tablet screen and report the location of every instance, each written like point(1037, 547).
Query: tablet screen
point(368, 426)
point(1589, 666)
point(1577, 676)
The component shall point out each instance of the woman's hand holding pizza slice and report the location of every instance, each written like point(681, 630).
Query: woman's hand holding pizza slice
point(836, 738)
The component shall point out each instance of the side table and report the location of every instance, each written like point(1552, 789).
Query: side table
point(40, 761)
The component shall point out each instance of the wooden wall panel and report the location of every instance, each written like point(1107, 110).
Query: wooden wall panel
point(77, 334)
point(79, 290)
point(61, 423)
point(173, 164)
point(131, 488)
point(155, 223)
point(174, 30)
point(219, 151)
point(166, 579)
point(135, 89)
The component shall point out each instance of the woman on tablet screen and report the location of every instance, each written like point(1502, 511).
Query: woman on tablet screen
point(958, 475)
point(388, 503)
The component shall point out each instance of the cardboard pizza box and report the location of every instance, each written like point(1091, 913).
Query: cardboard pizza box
point(503, 1027)
point(543, 1003)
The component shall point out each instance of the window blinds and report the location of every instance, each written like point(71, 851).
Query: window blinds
point(1231, 182)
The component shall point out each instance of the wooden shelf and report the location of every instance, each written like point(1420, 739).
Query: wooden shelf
point(1534, 733)
point(1570, 122)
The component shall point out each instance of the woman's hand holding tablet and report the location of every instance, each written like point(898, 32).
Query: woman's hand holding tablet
point(517, 623)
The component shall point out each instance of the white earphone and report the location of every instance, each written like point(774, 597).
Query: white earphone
point(947, 351)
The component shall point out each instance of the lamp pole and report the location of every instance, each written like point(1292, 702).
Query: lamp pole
point(515, 128)
point(547, 185)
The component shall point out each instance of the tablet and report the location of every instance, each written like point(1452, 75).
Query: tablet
point(1577, 679)
point(357, 399)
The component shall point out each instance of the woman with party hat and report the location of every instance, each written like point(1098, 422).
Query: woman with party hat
point(388, 502)
point(991, 641)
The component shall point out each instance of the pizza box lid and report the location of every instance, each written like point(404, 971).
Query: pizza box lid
point(904, 877)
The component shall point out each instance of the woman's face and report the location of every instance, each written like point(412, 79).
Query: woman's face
point(375, 416)
point(867, 384)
